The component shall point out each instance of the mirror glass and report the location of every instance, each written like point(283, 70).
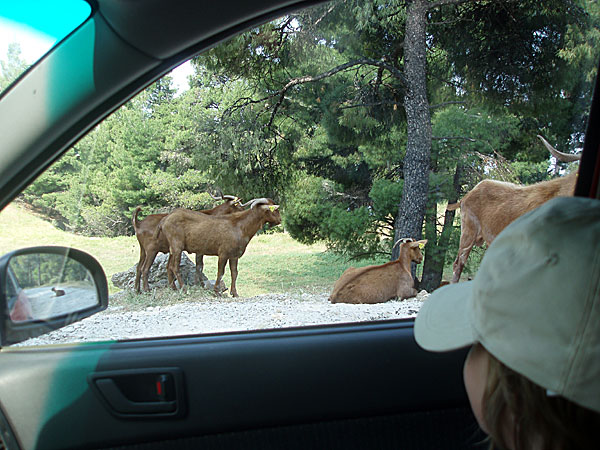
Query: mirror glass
point(43, 286)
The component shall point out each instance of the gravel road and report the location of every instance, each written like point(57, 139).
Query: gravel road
point(209, 315)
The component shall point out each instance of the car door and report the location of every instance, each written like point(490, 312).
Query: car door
point(346, 386)
point(351, 386)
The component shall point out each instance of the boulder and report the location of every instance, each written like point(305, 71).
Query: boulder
point(157, 277)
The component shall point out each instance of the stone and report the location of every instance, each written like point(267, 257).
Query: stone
point(157, 277)
point(210, 284)
point(422, 295)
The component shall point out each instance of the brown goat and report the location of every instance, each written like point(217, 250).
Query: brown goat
point(222, 236)
point(491, 205)
point(380, 283)
point(150, 247)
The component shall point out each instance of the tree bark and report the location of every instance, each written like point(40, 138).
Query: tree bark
point(435, 256)
point(409, 221)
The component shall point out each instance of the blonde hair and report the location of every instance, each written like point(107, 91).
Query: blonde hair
point(537, 420)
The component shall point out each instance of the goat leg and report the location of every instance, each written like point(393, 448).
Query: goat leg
point(233, 267)
point(170, 273)
point(199, 268)
point(138, 269)
point(220, 271)
point(147, 264)
point(470, 235)
point(175, 260)
point(459, 262)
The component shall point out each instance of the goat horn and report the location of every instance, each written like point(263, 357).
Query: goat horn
point(234, 199)
point(564, 157)
point(402, 241)
point(215, 198)
point(259, 201)
point(247, 203)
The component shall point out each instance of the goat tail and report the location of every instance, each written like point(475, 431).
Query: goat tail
point(157, 231)
point(134, 219)
point(453, 206)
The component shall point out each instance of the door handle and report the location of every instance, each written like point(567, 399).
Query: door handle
point(138, 393)
point(121, 404)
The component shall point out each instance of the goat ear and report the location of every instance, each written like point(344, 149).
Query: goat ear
point(273, 207)
point(420, 243)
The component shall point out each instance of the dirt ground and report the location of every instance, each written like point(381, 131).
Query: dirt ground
point(212, 315)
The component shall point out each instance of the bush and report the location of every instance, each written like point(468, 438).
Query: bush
point(307, 206)
point(353, 227)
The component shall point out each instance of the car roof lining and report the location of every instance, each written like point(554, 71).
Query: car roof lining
point(162, 30)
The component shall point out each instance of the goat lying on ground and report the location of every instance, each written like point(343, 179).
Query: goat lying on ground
point(380, 283)
point(222, 236)
point(491, 205)
point(150, 247)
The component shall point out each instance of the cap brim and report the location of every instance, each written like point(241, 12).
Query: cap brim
point(444, 321)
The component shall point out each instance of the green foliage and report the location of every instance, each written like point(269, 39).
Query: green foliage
point(476, 139)
point(521, 55)
point(47, 269)
point(306, 208)
point(141, 155)
point(352, 232)
point(527, 173)
point(477, 129)
point(386, 195)
point(318, 211)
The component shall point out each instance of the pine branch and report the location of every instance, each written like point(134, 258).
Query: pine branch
point(359, 256)
point(311, 79)
point(331, 8)
point(449, 138)
point(439, 3)
point(369, 105)
point(441, 105)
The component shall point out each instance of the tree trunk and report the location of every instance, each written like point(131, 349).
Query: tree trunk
point(433, 263)
point(409, 221)
point(435, 256)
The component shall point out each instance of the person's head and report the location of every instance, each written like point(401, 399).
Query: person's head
point(532, 317)
point(519, 414)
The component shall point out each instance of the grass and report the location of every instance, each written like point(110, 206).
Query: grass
point(272, 262)
point(21, 228)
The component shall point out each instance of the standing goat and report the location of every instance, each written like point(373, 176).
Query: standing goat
point(151, 246)
point(491, 205)
point(222, 236)
point(380, 283)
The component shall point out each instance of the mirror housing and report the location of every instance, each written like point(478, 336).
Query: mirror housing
point(46, 288)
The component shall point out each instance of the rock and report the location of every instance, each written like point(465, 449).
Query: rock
point(210, 284)
point(157, 277)
point(421, 296)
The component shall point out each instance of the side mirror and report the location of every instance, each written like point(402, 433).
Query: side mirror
point(46, 288)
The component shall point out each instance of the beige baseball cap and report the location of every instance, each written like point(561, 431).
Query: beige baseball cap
point(534, 303)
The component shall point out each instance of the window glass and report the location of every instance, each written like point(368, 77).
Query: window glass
point(30, 28)
point(361, 125)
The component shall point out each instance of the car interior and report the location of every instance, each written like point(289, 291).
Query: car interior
point(342, 386)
